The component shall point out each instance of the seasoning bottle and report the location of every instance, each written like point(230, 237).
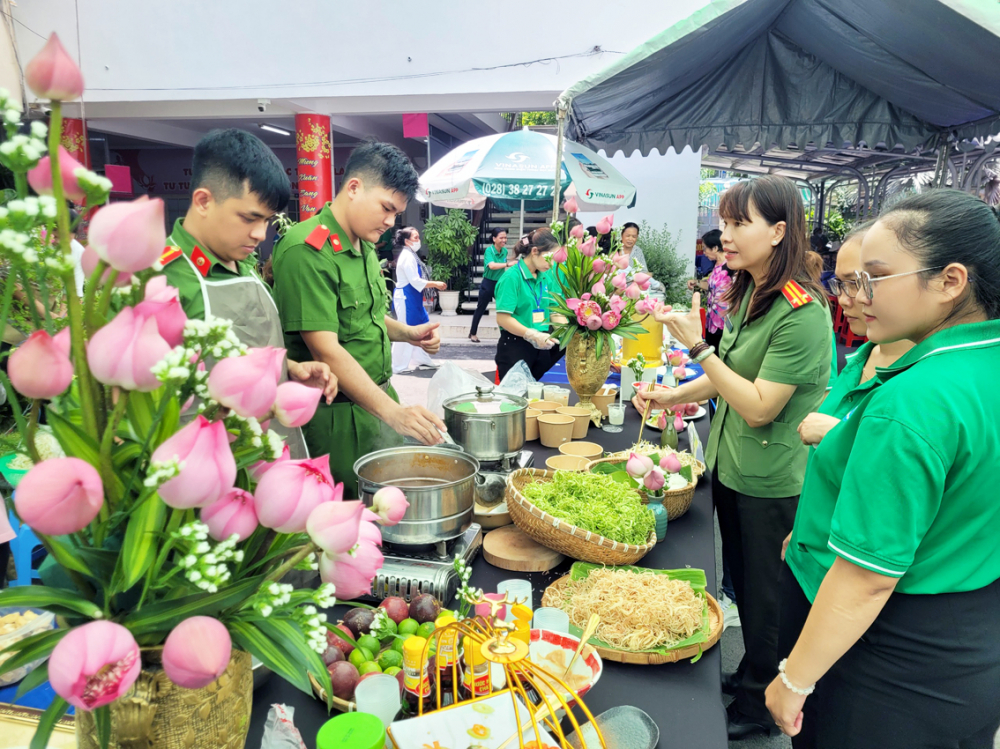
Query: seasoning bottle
point(522, 623)
point(476, 681)
point(447, 654)
point(351, 731)
point(416, 674)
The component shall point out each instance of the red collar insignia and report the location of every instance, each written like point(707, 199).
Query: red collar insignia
point(170, 253)
point(201, 261)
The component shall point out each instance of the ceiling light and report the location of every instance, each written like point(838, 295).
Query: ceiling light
point(274, 129)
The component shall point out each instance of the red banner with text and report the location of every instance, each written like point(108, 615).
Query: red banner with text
point(315, 160)
point(74, 140)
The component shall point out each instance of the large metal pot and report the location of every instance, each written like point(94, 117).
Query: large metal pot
point(488, 425)
point(439, 483)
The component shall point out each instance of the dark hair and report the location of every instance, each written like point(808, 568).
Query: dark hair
point(571, 223)
point(712, 239)
point(382, 165)
point(775, 199)
point(227, 162)
point(631, 225)
point(945, 226)
point(496, 231)
point(542, 239)
point(399, 242)
point(814, 265)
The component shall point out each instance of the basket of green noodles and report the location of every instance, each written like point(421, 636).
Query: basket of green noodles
point(585, 516)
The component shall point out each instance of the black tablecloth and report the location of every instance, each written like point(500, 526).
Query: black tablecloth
point(684, 699)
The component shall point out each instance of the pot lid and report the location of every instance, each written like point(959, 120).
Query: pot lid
point(486, 401)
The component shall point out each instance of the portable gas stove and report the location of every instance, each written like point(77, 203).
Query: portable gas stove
point(507, 465)
point(409, 571)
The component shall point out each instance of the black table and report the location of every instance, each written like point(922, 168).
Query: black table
point(684, 699)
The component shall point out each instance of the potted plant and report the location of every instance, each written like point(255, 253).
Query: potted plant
point(170, 524)
point(448, 237)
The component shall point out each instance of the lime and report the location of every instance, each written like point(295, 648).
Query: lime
point(392, 670)
point(425, 630)
point(390, 629)
point(369, 667)
point(370, 643)
point(408, 627)
point(397, 644)
point(390, 659)
point(359, 656)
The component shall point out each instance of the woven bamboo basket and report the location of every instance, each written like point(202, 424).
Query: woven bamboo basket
point(555, 595)
point(677, 501)
point(561, 536)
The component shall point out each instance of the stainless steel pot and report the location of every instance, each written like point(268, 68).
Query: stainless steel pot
point(487, 436)
point(439, 483)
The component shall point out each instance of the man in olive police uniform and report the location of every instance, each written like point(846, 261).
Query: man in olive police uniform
point(333, 303)
point(237, 186)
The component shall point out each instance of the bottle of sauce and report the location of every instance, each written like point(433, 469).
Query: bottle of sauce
point(476, 681)
point(447, 656)
point(417, 679)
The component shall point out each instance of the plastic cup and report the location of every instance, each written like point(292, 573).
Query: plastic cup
point(550, 392)
point(616, 414)
point(555, 620)
point(378, 695)
point(516, 590)
point(535, 390)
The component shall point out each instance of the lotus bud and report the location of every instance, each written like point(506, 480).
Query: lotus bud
point(570, 205)
point(129, 236)
point(619, 281)
point(234, 514)
point(654, 480)
point(599, 266)
point(335, 526)
point(599, 289)
point(208, 471)
point(59, 496)
point(352, 572)
point(162, 302)
point(40, 367)
point(678, 423)
point(638, 466)
point(40, 178)
point(52, 74)
point(390, 504)
point(588, 247)
point(670, 463)
point(295, 403)
point(577, 232)
point(605, 224)
point(633, 291)
point(89, 261)
point(560, 255)
point(197, 652)
point(289, 492)
point(246, 384)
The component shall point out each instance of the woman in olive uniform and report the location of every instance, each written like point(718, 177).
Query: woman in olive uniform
point(772, 370)
point(523, 308)
point(894, 563)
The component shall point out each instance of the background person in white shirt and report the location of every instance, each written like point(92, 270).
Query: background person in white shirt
point(408, 300)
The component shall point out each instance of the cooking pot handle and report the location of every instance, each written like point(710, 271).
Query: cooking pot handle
point(491, 422)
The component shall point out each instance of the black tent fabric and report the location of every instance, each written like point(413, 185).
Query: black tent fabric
point(895, 74)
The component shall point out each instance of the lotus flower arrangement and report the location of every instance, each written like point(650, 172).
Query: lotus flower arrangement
point(173, 523)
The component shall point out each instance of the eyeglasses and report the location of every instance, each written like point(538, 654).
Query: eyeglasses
point(847, 288)
point(866, 282)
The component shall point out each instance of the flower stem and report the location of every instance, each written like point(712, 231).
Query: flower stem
point(106, 467)
point(281, 571)
point(22, 425)
point(90, 291)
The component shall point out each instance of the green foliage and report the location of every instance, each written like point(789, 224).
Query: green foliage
point(538, 118)
point(448, 238)
point(837, 227)
point(665, 265)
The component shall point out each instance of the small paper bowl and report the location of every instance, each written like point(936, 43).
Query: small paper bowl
point(546, 406)
point(567, 462)
point(588, 450)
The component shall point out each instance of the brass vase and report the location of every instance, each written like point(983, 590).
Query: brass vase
point(585, 370)
point(157, 714)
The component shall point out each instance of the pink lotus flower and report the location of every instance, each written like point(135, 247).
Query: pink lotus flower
point(209, 470)
point(654, 480)
point(610, 320)
point(163, 302)
point(368, 531)
point(295, 403)
point(605, 224)
point(52, 74)
point(599, 266)
point(577, 232)
point(633, 291)
point(125, 350)
point(197, 652)
point(638, 465)
point(234, 514)
point(258, 469)
point(587, 310)
point(40, 367)
point(59, 496)
point(247, 384)
point(390, 504)
point(680, 373)
point(599, 289)
point(643, 307)
point(594, 322)
point(621, 261)
point(570, 205)
point(619, 281)
point(129, 236)
point(670, 463)
point(690, 409)
point(352, 572)
point(675, 358)
point(89, 261)
point(560, 255)
point(678, 423)
point(40, 178)
point(94, 664)
point(335, 526)
point(617, 304)
point(661, 422)
point(677, 408)
point(588, 247)
point(643, 279)
point(290, 491)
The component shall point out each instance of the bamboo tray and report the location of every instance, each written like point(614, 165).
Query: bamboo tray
point(553, 597)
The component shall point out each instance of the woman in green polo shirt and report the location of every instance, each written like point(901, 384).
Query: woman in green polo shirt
point(772, 370)
point(523, 308)
point(894, 562)
point(494, 264)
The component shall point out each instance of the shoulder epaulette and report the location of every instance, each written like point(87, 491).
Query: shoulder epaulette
point(171, 253)
point(317, 237)
point(796, 295)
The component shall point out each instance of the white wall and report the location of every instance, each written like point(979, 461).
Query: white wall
point(337, 56)
point(666, 193)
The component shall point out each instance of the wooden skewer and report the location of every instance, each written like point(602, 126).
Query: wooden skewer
point(645, 416)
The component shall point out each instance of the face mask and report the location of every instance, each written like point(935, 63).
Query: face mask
point(415, 246)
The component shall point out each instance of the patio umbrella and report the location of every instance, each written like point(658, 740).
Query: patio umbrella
point(517, 171)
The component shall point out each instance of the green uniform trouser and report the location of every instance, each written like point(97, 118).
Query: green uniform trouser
point(347, 432)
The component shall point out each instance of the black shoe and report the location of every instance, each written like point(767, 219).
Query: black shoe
point(741, 726)
point(730, 682)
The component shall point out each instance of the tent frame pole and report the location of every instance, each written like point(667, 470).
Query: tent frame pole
point(520, 228)
point(560, 123)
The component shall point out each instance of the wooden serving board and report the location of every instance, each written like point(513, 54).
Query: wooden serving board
point(510, 548)
point(554, 596)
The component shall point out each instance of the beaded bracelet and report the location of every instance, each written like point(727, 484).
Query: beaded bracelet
point(704, 354)
point(788, 684)
point(695, 350)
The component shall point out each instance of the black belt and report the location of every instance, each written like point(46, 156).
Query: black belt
point(342, 397)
